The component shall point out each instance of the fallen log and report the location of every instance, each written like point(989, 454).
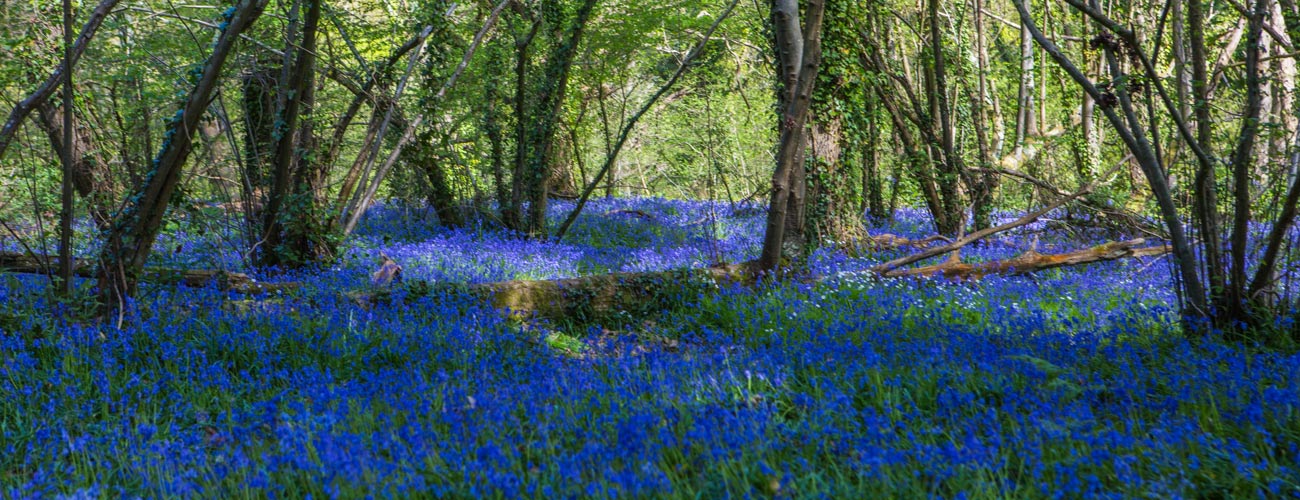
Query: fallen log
point(13, 262)
point(616, 296)
point(1031, 261)
point(622, 296)
point(586, 298)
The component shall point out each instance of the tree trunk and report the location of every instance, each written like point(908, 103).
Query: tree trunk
point(1131, 131)
point(258, 102)
point(1233, 302)
point(90, 176)
point(492, 127)
point(950, 166)
point(128, 244)
point(541, 122)
point(873, 188)
point(290, 205)
point(982, 186)
point(1026, 122)
point(421, 157)
point(832, 214)
point(784, 179)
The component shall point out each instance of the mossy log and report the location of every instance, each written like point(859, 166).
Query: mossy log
point(12, 262)
point(587, 298)
point(1032, 261)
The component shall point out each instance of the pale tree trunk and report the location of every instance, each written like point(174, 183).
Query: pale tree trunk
point(790, 47)
point(1263, 153)
point(1026, 121)
point(1284, 84)
point(785, 13)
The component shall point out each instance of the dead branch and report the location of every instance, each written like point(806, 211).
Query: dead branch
point(13, 262)
point(882, 242)
point(632, 212)
point(977, 235)
point(1031, 261)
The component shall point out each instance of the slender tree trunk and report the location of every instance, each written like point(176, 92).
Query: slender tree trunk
point(786, 15)
point(512, 212)
point(1026, 122)
point(613, 148)
point(983, 185)
point(950, 166)
point(921, 168)
point(1205, 206)
point(1130, 129)
point(65, 155)
point(873, 195)
point(542, 123)
point(364, 155)
point(128, 244)
point(1235, 306)
point(290, 141)
point(492, 128)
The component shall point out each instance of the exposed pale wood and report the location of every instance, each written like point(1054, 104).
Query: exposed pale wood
point(1032, 261)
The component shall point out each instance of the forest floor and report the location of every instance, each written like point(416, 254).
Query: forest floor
point(1072, 382)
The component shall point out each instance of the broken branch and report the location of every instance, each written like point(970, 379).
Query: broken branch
point(1032, 261)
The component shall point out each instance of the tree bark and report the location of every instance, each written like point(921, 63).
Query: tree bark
point(543, 117)
point(89, 175)
point(291, 141)
point(1235, 307)
point(793, 117)
point(1032, 261)
point(951, 169)
point(130, 241)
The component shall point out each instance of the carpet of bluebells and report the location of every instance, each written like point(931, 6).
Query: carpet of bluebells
point(1068, 383)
